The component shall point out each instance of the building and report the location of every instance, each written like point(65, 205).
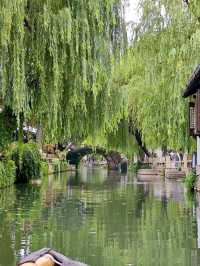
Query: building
point(193, 91)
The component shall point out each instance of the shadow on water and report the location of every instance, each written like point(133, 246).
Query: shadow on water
point(101, 218)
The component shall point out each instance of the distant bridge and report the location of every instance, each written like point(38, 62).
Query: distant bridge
point(113, 158)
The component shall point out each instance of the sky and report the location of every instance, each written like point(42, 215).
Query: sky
point(131, 14)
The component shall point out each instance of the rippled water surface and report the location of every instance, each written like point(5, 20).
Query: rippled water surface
point(101, 219)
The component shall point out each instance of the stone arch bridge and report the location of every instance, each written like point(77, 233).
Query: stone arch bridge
point(113, 158)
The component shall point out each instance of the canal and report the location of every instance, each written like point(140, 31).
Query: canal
point(102, 219)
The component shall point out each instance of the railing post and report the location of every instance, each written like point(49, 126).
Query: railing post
point(198, 151)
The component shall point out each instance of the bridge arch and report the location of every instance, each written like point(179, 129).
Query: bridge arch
point(113, 158)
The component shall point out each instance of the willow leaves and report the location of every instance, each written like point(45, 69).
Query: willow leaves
point(55, 62)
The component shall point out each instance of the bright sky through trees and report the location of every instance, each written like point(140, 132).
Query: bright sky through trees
point(131, 13)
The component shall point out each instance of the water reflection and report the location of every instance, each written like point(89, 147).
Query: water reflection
point(166, 189)
point(102, 219)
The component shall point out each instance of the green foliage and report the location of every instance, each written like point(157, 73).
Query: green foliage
point(7, 126)
point(27, 160)
point(190, 198)
point(190, 180)
point(59, 166)
point(135, 166)
point(7, 173)
point(44, 168)
point(155, 71)
point(194, 6)
point(57, 57)
point(56, 60)
point(122, 140)
point(56, 166)
point(119, 139)
point(138, 165)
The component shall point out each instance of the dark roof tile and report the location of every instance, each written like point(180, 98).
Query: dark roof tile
point(193, 83)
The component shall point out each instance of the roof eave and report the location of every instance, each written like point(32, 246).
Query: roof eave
point(193, 84)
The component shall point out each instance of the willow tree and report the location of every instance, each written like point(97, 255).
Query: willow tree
point(194, 6)
point(155, 71)
point(55, 63)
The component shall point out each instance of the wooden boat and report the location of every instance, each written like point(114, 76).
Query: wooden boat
point(48, 257)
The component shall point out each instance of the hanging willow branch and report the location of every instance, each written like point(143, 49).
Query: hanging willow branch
point(58, 75)
point(26, 24)
point(194, 7)
point(155, 71)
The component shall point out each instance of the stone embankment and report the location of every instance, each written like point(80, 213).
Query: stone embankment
point(165, 167)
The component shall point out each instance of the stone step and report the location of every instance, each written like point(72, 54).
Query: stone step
point(172, 173)
point(148, 172)
point(148, 175)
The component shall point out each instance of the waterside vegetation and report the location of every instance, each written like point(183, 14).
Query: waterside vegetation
point(7, 173)
point(190, 180)
point(67, 68)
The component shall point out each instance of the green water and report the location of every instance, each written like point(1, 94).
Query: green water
point(100, 219)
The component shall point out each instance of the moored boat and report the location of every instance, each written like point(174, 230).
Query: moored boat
point(48, 257)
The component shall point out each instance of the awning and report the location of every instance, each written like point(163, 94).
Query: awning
point(193, 83)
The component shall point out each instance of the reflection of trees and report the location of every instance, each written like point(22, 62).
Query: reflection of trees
point(67, 214)
point(102, 225)
point(20, 209)
point(128, 226)
point(26, 196)
point(6, 251)
point(75, 180)
point(7, 197)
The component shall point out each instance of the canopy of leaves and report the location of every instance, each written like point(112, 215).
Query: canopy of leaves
point(155, 70)
point(55, 63)
point(8, 125)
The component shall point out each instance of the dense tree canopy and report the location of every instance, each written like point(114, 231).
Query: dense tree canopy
point(155, 71)
point(55, 60)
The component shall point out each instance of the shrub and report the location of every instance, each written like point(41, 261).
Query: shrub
point(135, 166)
point(44, 168)
point(190, 180)
point(7, 173)
point(58, 166)
point(139, 165)
point(7, 126)
point(27, 160)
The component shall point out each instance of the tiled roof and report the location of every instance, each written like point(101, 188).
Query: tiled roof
point(193, 83)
